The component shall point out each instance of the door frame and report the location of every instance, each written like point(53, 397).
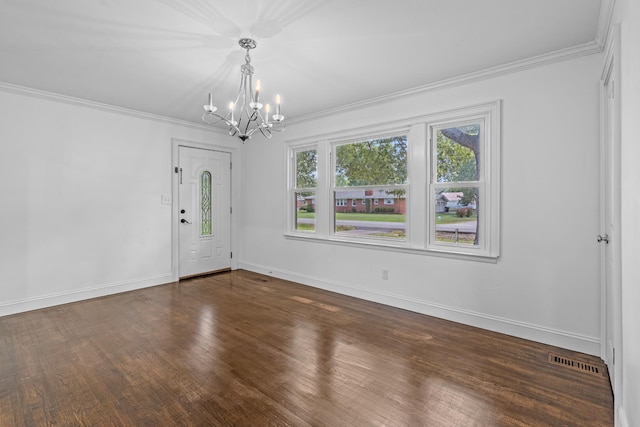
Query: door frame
point(611, 70)
point(234, 184)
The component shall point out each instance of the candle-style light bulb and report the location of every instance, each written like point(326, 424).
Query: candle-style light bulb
point(257, 91)
point(267, 108)
point(278, 104)
point(231, 107)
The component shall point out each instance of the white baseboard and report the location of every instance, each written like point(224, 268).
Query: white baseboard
point(51, 300)
point(558, 338)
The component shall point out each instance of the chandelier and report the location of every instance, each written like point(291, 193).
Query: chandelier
point(245, 116)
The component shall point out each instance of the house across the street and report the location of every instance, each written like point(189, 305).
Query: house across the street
point(369, 201)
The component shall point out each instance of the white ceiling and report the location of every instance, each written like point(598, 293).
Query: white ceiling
point(164, 56)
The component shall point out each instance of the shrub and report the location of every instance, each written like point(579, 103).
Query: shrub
point(464, 212)
point(384, 210)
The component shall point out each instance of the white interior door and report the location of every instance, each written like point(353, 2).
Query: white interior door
point(204, 202)
point(610, 240)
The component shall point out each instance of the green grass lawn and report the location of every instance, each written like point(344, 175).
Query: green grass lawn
point(451, 218)
point(442, 218)
point(360, 216)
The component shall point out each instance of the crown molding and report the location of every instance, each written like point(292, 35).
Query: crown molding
point(56, 97)
point(586, 49)
point(604, 21)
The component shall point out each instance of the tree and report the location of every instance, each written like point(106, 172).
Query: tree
point(306, 169)
point(455, 162)
point(468, 137)
point(373, 162)
point(455, 148)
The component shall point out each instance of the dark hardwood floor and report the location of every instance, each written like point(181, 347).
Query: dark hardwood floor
point(242, 349)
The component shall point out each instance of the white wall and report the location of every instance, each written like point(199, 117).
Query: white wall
point(627, 14)
point(545, 285)
point(81, 194)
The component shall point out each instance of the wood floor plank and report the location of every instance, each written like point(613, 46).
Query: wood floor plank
point(243, 349)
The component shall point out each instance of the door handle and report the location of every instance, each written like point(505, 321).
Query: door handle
point(604, 238)
point(184, 221)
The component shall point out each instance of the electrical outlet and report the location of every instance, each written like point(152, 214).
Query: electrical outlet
point(385, 274)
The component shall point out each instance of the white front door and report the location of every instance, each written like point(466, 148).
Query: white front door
point(204, 201)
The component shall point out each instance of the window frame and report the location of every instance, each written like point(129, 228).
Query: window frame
point(434, 184)
point(333, 144)
point(293, 188)
point(420, 210)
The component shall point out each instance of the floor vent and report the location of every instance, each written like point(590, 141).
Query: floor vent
point(574, 364)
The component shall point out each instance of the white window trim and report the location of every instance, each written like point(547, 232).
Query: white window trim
point(292, 188)
point(418, 210)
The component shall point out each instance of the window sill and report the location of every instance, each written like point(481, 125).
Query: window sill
point(389, 246)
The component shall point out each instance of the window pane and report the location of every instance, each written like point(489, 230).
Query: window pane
point(456, 215)
point(305, 211)
point(456, 149)
point(362, 218)
point(373, 162)
point(205, 203)
point(306, 169)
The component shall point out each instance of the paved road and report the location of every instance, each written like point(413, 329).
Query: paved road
point(462, 227)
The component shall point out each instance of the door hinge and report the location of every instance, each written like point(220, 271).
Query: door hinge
point(230, 165)
point(230, 210)
point(176, 169)
point(231, 254)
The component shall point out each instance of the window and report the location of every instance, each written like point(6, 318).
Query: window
point(205, 203)
point(304, 189)
point(463, 206)
point(430, 184)
point(457, 180)
point(365, 168)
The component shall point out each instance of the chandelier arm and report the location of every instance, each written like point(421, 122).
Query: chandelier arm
point(249, 120)
point(232, 127)
point(218, 116)
point(268, 131)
